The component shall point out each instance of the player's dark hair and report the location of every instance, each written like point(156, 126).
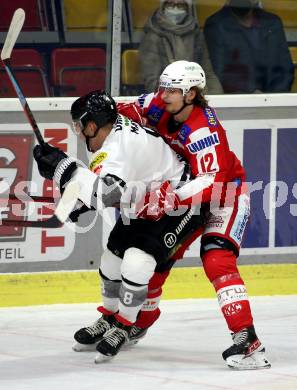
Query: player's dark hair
point(199, 99)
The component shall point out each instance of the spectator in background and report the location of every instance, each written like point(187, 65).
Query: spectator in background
point(170, 34)
point(248, 49)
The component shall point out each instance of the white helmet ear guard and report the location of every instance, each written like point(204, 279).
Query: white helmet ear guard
point(183, 75)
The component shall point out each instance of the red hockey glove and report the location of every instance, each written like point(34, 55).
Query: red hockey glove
point(132, 111)
point(157, 203)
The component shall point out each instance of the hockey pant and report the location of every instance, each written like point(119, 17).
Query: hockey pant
point(150, 310)
point(220, 247)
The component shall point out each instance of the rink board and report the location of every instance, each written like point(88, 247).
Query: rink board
point(83, 286)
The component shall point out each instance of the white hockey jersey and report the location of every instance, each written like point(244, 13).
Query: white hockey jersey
point(130, 153)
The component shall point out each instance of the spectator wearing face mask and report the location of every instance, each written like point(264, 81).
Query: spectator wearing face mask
point(170, 34)
point(248, 49)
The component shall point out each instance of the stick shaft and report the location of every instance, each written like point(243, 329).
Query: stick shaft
point(14, 30)
point(23, 101)
point(52, 222)
point(34, 198)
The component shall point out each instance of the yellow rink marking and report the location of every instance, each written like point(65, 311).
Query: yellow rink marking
point(83, 286)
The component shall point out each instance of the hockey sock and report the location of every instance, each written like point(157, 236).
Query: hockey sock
point(137, 270)
point(131, 300)
point(150, 311)
point(220, 267)
point(110, 293)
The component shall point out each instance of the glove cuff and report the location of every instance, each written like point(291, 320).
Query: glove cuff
point(64, 170)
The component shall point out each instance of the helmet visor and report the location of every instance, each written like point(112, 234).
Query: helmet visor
point(77, 124)
point(77, 127)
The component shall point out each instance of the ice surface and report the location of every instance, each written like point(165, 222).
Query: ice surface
point(181, 351)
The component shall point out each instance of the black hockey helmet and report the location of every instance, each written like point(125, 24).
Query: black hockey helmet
point(97, 106)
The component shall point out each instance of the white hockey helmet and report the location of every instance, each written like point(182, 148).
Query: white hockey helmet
point(183, 75)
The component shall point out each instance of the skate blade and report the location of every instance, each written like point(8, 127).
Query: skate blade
point(129, 344)
point(84, 347)
point(100, 358)
point(256, 361)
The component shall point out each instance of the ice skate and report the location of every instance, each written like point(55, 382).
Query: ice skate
point(135, 335)
point(112, 342)
point(247, 352)
point(88, 337)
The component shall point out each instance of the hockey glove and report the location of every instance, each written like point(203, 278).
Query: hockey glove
point(54, 163)
point(157, 203)
point(132, 111)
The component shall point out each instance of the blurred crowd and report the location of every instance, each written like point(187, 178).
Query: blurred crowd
point(242, 48)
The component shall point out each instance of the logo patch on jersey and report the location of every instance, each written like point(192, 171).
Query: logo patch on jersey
point(97, 160)
point(154, 114)
point(239, 228)
point(215, 221)
point(183, 134)
point(211, 117)
point(204, 143)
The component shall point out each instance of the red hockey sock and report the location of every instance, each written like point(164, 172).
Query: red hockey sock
point(220, 267)
point(150, 311)
point(104, 311)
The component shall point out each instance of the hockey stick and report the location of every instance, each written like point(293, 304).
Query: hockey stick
point(30, 198)
point(12, 35)
point(62, 212)
point(52, 222)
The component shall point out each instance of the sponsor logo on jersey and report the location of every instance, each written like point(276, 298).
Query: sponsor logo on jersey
point(98, 169)
point(170, 240)
point(204, 143)
point(183, 134)
point(154, 114)
point(210, 116)
point(98, 160)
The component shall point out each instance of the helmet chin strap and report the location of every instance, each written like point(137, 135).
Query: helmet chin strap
point(88, 143)
point(183, 106)
point(88, 139)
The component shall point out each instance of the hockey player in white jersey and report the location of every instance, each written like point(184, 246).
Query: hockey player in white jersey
point(123, 152)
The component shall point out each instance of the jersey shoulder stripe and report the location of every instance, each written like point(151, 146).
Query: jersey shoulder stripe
point(141, 99)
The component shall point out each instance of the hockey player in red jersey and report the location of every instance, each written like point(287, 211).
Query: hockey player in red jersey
point(190, 126)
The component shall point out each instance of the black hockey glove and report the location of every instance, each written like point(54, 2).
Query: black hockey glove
point(54, 163)
point(47, 158)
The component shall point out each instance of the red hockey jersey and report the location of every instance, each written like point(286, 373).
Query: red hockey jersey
point(201, 141)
